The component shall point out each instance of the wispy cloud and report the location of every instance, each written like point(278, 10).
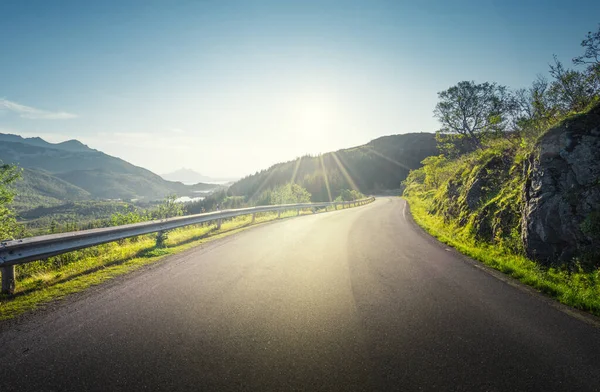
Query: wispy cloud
point(33, 113)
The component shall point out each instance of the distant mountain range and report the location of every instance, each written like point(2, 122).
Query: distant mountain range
point(71, 171)
point(189, 176)
point(55, 172)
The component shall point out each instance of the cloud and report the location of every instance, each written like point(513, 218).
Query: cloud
point(33, 113)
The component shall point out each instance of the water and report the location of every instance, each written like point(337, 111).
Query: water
point(187, 199)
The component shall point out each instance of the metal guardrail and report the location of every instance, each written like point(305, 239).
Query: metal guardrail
point(37, 248)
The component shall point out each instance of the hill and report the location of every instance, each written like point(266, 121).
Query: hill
point(379, 165)
point(72, 171)
point(38, 188)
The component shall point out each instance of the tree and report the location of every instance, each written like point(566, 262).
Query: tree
point(591, 56)
point(571, 89)
point(289, 194)
point(533, 110)
point(8, 225)
point(591, 59)
point(473, 110)
point(349, 195)
point(168, 208)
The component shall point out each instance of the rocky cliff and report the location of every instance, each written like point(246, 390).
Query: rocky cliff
point(541, 200)
point(561, 211)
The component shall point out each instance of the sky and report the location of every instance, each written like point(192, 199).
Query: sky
point(231, 87)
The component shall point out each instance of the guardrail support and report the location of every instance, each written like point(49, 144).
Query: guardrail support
point(219, 221)
point(278, 214)
point(253, 218)
point(160, 239)
point(8, 279)
point(298, 213)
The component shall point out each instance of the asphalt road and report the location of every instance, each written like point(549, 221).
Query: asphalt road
point(354, 300)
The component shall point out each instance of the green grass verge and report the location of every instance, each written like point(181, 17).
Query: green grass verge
point(44, 281)
point(579, 289)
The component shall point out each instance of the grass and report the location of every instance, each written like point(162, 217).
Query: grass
point(44, 281)
point(579, 289)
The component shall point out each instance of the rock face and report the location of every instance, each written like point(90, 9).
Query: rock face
point(561, 214)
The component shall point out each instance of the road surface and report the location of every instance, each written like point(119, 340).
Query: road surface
point(354, 300)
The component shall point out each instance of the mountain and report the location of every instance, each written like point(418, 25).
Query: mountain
point(189, 176)
point(382, 164)
point(69, 145)
point(72, 171)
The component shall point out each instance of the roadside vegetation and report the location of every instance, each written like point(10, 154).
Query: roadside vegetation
point(471, 195)
point(46, 280)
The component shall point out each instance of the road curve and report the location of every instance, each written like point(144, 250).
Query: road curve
point(354, 300)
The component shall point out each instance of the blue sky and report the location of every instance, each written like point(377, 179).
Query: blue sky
point(231, 87)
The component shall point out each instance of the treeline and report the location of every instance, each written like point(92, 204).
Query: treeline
point(473, 114)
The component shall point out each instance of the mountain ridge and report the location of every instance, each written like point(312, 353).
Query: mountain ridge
point(98, 175)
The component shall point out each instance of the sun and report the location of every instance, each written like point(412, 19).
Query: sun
point(312, 116)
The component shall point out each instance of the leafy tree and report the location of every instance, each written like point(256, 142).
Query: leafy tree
point(8, 175)
point(349, 195)
point(168, 208)
point(571, 90)
point(285, 194)
point(473, 110)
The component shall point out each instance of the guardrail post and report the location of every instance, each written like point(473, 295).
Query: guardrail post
point(298, 213)
point(8, 279)
point(253, 217)
point(160, 239)
point(219, 221)
point(278, 214)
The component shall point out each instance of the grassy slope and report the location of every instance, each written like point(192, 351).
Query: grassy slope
point(38, 188)
point(45, 281)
